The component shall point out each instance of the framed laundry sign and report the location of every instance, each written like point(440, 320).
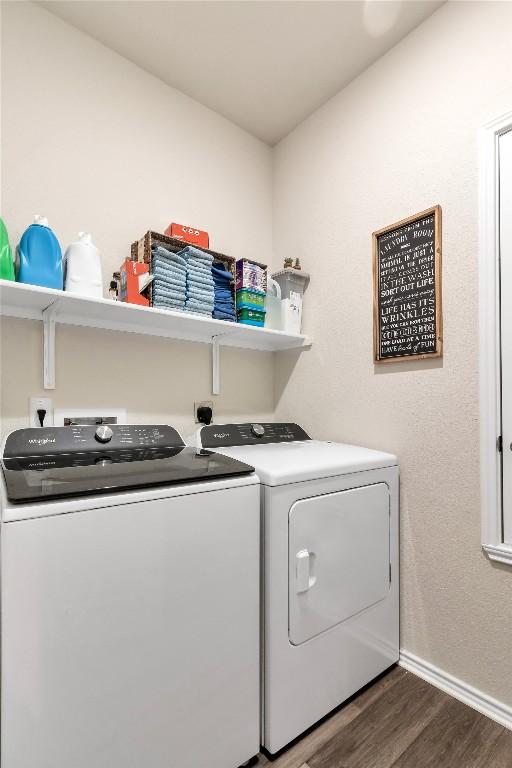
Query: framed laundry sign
point(407, 294)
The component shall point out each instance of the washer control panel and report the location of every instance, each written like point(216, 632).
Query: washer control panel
point(85, 438)
point(226, 435)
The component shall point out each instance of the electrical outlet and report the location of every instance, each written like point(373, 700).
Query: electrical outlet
point(201, 404)
point(40, 403)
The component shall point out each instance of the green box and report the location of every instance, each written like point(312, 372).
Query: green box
point(251, 317)
point(249, 299)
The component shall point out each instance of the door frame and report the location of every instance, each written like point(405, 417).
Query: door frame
point(490, 342)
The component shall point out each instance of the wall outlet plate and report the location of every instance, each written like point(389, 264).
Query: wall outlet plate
point(37, 403)
point(202, 404)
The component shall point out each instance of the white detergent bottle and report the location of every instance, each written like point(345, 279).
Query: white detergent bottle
point(82, 268)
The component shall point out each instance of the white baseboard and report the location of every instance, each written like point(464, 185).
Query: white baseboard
point(460, 690)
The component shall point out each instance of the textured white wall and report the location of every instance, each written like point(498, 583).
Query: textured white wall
point(403, 136)
point(400, 138)
point(156, 380)
point(96, 144)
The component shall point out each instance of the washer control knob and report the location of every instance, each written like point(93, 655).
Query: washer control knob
point(258, 430)
point(103, 434)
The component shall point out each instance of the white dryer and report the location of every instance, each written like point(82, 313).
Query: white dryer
point(330, 564)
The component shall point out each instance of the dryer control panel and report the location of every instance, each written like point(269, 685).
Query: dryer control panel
point(227, 435)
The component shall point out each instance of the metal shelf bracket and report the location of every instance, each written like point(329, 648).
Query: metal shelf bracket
point(216, 364)
point(49, 315)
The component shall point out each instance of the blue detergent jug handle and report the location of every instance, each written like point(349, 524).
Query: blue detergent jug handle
point(40, 256)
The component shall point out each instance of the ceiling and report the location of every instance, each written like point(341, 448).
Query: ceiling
point(265, 65)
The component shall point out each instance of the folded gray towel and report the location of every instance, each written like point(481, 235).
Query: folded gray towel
point(168, 277)
point(170, 267)
point(200, 296)
point(161, 292)
point(189, 252)
point(169, 308)
point(201, 305)
point(200, 284)
point(198, 312)
point(174, 303)
point(199, 265)
point(168, 255)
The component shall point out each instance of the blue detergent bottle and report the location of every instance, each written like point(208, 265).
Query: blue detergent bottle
point(40, 256)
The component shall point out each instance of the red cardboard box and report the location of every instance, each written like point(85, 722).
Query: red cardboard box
point(133, 280)
point(189, 235)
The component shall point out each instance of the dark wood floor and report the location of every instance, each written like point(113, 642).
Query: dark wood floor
point(399, 722)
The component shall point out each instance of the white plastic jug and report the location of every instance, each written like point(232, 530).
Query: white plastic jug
point(82, 267)
point(292, 313)
point(293, 283)
point(274, 306)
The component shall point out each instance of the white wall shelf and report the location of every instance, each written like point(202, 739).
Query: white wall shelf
point(58, 307)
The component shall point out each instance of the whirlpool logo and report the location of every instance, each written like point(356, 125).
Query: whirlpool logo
point(220, 435)
point(42, 440)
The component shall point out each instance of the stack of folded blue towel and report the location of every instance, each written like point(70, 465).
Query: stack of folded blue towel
point(200, 296)
point(170, 277)
point(224, 308)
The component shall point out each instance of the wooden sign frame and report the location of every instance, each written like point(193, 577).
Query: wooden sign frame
point(438, 352)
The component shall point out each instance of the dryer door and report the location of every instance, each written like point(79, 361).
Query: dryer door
point(338, 558)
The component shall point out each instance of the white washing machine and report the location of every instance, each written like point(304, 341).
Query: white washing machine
point(129, 601)
point(330, 564)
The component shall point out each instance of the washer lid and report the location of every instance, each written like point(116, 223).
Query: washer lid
point(63, 462)
point(281, 463)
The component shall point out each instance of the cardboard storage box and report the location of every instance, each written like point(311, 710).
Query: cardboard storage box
point(134, 279)
point(251, 275)
point(189, 235)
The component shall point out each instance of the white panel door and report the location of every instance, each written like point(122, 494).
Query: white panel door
point(130, 635)
point(505, 181)
point(338, 558)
